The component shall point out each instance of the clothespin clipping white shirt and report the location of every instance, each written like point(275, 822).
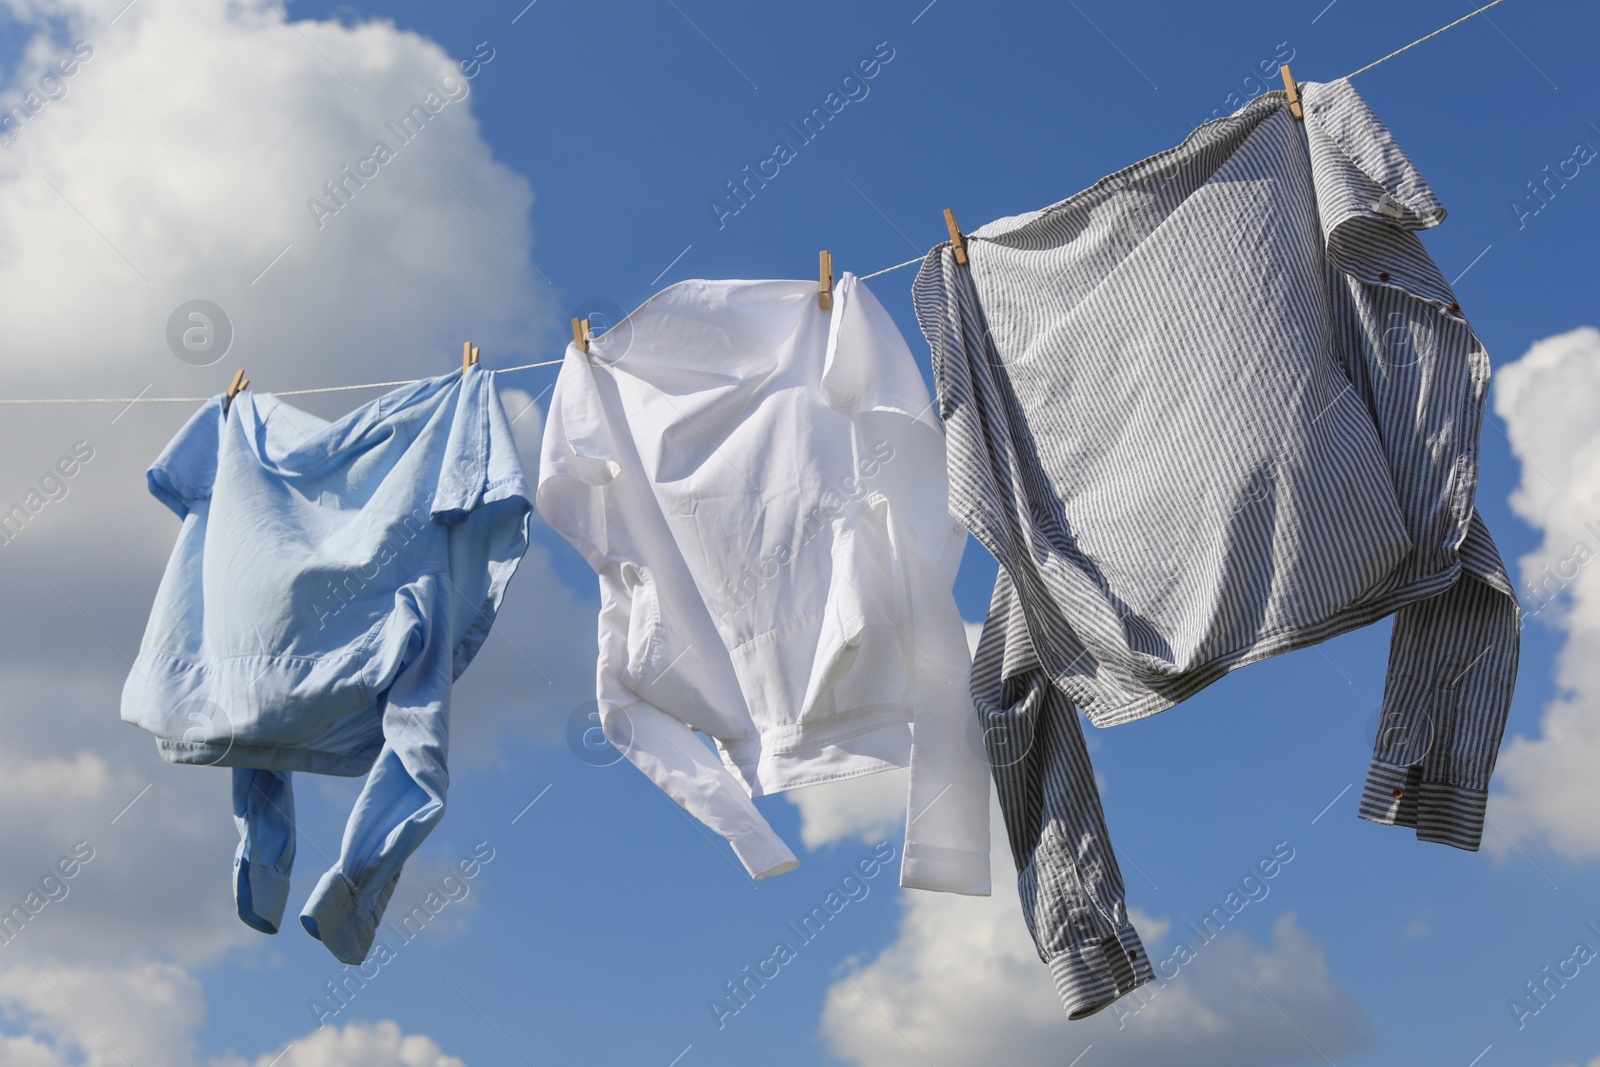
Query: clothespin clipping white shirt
point(825, 280)
point(580, 335)
point(1293, 92)
point(239, 384)
point(469, 355)
point(958, 243)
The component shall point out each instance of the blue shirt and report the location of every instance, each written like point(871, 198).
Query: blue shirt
point(329, 583)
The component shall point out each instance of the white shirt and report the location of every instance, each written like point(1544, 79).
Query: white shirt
point(760, 485)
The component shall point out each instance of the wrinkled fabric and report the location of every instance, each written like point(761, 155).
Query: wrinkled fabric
point(329, 583)
point(1219, 406)
point(760, 486)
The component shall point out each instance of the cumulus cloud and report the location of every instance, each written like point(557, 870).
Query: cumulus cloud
point(380, 1044)
point(110, 1017)
point(1548, 788)
point(866, 809)
point(175, 162)
point(962, 984)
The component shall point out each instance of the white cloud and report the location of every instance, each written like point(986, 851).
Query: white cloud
point(868, 809)
point(102, 1016)
point(150, 1013)
point(380, 1044)
point(1548, 788)
point(177, 165)
point(963, 984)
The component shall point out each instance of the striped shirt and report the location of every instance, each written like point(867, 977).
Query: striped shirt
point(1219, 406)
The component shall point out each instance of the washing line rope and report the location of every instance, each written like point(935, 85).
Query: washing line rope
point(1420, 40)
point(552, 362)
point(277, 392)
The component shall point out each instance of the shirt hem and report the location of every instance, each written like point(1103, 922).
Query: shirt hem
point(264, 757)
point(1193, 680)
point(880, 746)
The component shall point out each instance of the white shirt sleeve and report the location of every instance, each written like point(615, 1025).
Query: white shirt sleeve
point(947, 804)
point(872, 375)
point(666, 749)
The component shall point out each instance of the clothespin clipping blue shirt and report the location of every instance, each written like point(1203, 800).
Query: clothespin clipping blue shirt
point(240, 384)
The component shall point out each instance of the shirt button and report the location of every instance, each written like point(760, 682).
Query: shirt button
point(1384, 276)
point(1398, 792)
point(1455, 309)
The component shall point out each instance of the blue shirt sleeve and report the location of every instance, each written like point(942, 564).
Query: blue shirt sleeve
point(184, 472)
point(482, 500)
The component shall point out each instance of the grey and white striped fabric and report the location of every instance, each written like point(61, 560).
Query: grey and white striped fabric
point(1219, 406)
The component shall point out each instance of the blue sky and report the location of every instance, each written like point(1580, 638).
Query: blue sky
point(580, 173)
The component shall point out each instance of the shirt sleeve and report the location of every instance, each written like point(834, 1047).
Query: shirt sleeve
point(403, 798)
point(947, 802)
point(1452, 667)
point(184, 472)
point(1071, 889)
point(442, 619)
point(663, 746)
point(263, 810)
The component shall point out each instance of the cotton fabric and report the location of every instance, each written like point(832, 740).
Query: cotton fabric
point(760, 486)
point(1219, 406)
point(329, 583)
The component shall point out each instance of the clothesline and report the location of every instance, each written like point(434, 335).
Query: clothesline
point(141, 399)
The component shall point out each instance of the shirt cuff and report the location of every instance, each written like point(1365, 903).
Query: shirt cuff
point(763, 854)
point(944, 870)
point(1090, 976)
point(334, 917)
point(260, 892)
point(1438, 811)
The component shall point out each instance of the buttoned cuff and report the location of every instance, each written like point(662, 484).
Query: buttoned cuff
point(1090, 976)
point(763, 854)
point(944, 870)
point(260, 893)
point(1438, 811)
point(335, 917)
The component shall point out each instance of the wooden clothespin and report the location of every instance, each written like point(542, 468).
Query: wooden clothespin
point(240, 384)
point(469, 355)
point(958, 243)
point(825, 280)
point(580, 335)
point(1293, 91)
